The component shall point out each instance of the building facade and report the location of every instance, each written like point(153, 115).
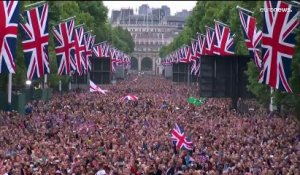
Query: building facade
point(150, 32)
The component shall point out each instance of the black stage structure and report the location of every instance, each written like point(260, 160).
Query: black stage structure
point(99, 74)
point(220, 76)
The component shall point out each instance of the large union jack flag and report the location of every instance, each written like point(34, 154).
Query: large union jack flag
point(79, 50)
point(35, 41)
point(179, 139)
point(9, 16)
point(210, 37)
point(195, 54)
point(89, 42)
point(223, 41)
point(278, 42)
point(252, 36)
point(64, 47)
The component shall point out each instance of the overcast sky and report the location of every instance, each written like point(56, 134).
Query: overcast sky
point(175, 6)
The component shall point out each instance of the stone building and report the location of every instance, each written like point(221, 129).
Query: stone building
point(150, 32)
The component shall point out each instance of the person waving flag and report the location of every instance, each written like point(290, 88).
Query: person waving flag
point(95, 88)
point(180, 139)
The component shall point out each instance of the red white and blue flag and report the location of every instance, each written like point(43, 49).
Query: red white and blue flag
point(195, 50)
point(185, 54)
point(9, 18)
point(106, 52)
point(252, 36)
point(99, 49)
point(202, 45)
point(89, 42)
point(113, 58)
point(224, 43)
point(95, 88)
point(179, 139)
point(209, 38)
point(64, 47)
point(35, 41)
point(80, 50)
point(194, 56)
point(278, 42)
point(129, 98)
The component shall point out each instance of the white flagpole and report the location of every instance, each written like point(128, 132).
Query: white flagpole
point(9, 87)
point(59, 87)
point(272, 107)
point(45, 81)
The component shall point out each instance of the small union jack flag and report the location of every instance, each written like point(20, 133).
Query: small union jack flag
point(64, 47)
point(113, 58)
point(195, 54)
point(252, 36)
point(89, 42)
point(278, 42)
point(9, 16)
point(79, 50)
point(202, 44)
point(179, 139)
point(185, 54)
point(177, 56)
point(209, 44)
point(95, 88)
point(223, 41)
point(99, 49)
point(107, 51)
point(129, 97)
point(35, 41)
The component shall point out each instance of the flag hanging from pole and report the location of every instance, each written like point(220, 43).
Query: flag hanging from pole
point(95, 88)
point(278, 42)
point(180, 139)
point(209, 38)
point(89, 42)
point(35, 41)
point(224, 43)
point(9, 17)
point(252, 36)
point(79, 50)
point(64, 47)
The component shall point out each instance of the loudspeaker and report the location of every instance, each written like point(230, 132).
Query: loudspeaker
point(224, 77)
point(101, 70)
point(180, 72)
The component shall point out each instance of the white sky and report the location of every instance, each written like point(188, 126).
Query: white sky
point(175, 6)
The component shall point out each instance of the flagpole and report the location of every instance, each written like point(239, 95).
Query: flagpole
point(34, 4)
point(188, 74)
point(209, 27)
point(70, 80)
point(68, 18)
point(238, 7)
point(59, 87)
point(9, 87)
point(221, 23)
point(271, 106)
point(45, 81)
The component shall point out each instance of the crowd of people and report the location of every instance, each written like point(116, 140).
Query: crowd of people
point(83, 133)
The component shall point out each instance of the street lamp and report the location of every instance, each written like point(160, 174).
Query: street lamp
point(28, 82)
